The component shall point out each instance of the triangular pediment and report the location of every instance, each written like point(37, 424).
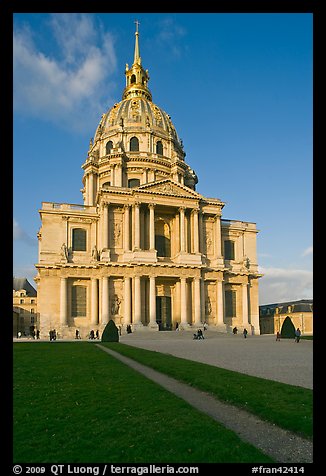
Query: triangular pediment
point(168, 187)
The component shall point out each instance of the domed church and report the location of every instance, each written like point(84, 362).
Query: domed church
point(144, 249)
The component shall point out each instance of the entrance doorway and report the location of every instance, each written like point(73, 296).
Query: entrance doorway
point(163, 313)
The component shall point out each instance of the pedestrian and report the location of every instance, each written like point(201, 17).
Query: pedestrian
point(19, 335)
point(297, 335)
point(245, 332)
point(235, 330)
point(205, 326)
point(91, 334)
point(97, 334)
point(38, 334)
point(51, 334)
point(278, 336)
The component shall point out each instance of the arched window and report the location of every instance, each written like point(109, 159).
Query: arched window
point(109, 146)
point(159, 147)
point(133, 79)
point(78, 239)
point(106, 185)
point(134, 182)
point(134, 144)
point(162, 239)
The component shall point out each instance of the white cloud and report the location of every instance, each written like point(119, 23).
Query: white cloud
point(281, 285)
point(68, 87)
point(308, 251)
point(20, 234)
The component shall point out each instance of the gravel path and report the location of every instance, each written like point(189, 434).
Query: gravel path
point(280, 444)
point(261, 356)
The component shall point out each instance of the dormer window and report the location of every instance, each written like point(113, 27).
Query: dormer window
point(159, 147)
point(109, 147)
point(134, 144)
point(132, 183)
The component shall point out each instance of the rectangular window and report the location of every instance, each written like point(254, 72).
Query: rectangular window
point(78, 301)
point(79, 239)
point(229, 249)
point(230, 304)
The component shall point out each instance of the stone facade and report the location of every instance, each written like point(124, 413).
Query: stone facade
point(145, 248)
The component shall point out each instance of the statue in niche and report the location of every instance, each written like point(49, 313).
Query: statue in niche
point(246, 262)
point(115, 305)
point(208, 306)
point(95, 253)
point(64, 252)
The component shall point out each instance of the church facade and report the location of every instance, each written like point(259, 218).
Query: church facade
point(144, 249)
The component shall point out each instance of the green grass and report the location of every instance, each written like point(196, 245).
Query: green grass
point(74, 403)
point(287, 406)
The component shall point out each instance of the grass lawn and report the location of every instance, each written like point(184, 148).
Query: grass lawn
point(287, 406)
point(73, 403)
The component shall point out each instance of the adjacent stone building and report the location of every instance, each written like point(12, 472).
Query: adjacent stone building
point(25, 316)
point(272, 316)
point(144, 248)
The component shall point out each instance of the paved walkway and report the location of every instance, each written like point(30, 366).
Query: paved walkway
point(261, 356)
point(280, 444)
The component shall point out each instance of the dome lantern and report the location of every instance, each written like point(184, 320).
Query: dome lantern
point(136, 77)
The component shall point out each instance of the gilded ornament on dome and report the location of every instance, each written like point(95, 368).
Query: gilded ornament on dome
point(113, 113)
point(135, 109)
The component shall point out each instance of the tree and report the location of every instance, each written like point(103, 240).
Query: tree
point(288, 330)
point(110, 333)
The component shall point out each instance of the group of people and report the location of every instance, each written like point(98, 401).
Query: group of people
point(53, 334)
point(297, 335)
point(94, 335)
point(199, 335)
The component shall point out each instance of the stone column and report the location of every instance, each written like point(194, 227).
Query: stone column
point(137, 302)
point(182, 230)
point(137, 226)
point(127, 303)
point(220, 303)
point(94, 301)
point(105, 235)
point(183, 302)
point(112, 175)
point(151, 207)
point(91, 189)
point(86, 190)
point(197, 294)
point(152, 302)
point(218, 242)
point(126, 240)
point(118, 175)
point(105, 300)
point(245, 322)
point(195, 231)
point(63, 301)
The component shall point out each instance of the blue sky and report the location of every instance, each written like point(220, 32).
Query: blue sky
point(238, 87)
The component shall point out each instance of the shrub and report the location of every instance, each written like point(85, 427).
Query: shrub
point(110, 333)
point(288, 330)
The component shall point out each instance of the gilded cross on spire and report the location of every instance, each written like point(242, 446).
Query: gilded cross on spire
point(137, 59)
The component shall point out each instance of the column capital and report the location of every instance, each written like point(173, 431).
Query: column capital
point(195, 210)
point(137, 204)
point(182, 208)
point(151, 205)
point(126, 205)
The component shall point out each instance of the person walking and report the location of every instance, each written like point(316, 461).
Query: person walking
point(245, 332)
point(297, 335)
point(278, 336)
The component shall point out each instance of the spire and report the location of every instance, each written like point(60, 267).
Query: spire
point(136, 76)
point(137, 59)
